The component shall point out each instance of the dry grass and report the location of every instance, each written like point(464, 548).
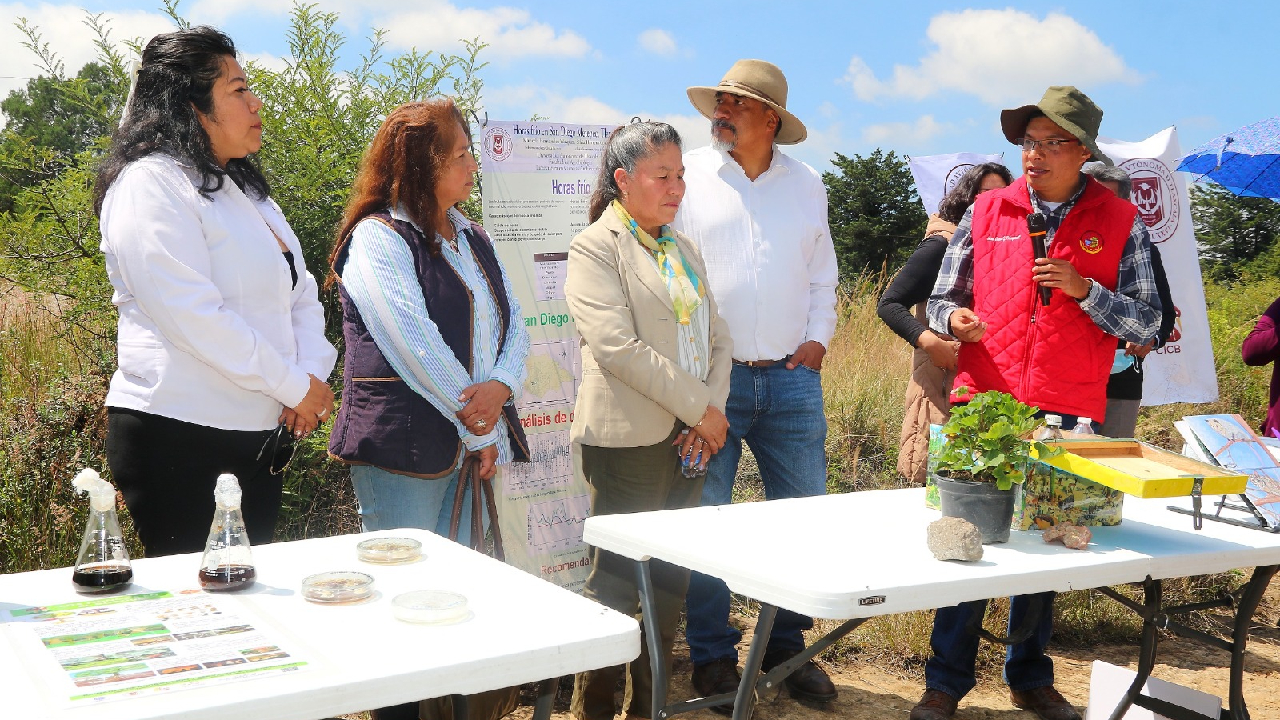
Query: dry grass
point(864, 382)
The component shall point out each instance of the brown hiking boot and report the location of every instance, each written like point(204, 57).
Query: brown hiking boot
point(1046, 702)
point(716, 678)
point(807, 682)
point(934, 705)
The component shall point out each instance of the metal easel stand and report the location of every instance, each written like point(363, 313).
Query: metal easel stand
point(1155, 618)
point(1256, 520)
point(752, 681)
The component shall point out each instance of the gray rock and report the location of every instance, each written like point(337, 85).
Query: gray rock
point(954, 539)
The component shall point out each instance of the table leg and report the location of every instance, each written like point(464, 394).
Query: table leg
point(461, 707)
point(744, 702)
point(1154, 618)
point(781, 672)
point(1152, 591)
point(1249, 600)
point(546, 698)
point(652, 637)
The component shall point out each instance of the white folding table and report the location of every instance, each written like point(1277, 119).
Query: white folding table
point(523, 629)
point(864, 554)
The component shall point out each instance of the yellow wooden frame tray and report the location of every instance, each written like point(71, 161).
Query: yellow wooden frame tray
point(1143, 470)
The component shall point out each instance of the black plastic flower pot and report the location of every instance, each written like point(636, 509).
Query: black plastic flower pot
point(989, 508)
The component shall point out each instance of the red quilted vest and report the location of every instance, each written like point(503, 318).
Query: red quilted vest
point(1053, 357)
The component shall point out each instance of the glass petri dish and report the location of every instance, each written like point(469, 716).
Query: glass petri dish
point(389, 550)
point(340, 586)
point(430, 607)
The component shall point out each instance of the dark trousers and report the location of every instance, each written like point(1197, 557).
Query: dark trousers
point(627, 480)
point(166, 469)
point(955, 649)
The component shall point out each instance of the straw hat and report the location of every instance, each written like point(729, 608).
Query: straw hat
point(758, 80)
point(1066, 106)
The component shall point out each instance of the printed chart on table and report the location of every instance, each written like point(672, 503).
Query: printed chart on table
point(130, 645)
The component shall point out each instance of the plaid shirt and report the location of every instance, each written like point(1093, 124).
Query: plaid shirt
point(1132, 312)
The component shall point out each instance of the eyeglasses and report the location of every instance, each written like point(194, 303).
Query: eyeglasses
point(277, 438)
point(1051, 146)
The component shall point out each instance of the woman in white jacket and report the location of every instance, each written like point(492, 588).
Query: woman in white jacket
point(221, 347)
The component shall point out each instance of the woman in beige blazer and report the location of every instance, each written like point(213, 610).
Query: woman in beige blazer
point(655, 362)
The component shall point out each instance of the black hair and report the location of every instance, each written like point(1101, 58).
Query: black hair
point(626, 146)
point(967, 188)
point(176, 79)
point(1110, 173)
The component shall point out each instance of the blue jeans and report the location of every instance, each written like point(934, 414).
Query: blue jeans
point(389, 501)
point(778, 412)
point(955, 650)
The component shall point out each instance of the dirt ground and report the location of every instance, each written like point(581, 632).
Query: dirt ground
point(868, 692)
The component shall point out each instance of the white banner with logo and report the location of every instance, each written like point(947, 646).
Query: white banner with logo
point(935, 175)
point(1182, 370)
point(536, 183)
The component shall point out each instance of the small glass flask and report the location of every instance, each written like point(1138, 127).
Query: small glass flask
point(103, 563)
point(227, 564)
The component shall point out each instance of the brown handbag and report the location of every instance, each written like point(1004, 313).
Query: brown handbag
point(469, 477)
point(492, 704)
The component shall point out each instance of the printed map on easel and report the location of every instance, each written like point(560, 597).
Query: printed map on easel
point(1233, 444)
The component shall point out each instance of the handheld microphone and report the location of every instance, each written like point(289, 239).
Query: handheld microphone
point(1038, 229)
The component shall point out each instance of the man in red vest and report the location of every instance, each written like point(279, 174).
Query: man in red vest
point(1056, 356)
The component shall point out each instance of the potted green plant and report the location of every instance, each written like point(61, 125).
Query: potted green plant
point(985, 456)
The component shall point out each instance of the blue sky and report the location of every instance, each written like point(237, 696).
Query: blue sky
point(914, 77)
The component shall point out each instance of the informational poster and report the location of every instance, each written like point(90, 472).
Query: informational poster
point(935, 175)
point(537, 182)
point(1182, 370)
point(130, 645)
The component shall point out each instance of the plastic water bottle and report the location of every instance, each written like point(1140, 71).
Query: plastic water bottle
point(1084, 426)
point(1051, 430)
point(691, 466)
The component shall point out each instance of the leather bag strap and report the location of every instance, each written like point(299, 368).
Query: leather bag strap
point(469, 477)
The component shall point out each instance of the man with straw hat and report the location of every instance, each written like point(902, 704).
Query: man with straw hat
point(1055, 355)
point(760, 219)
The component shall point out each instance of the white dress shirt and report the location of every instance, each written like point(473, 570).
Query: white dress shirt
point(211, 330)
point(767, 246)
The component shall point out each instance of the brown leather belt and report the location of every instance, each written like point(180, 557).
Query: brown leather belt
point(759, 363)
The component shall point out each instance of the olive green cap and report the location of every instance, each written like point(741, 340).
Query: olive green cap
point(1066, 106)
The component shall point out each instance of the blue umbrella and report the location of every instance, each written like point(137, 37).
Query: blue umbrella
point(1246, 162)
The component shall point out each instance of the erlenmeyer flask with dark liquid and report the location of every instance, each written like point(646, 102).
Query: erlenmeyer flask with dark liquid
point(227, 564)
point(102, 566)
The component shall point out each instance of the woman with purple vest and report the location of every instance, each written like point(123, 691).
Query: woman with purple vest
point(435, 343)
